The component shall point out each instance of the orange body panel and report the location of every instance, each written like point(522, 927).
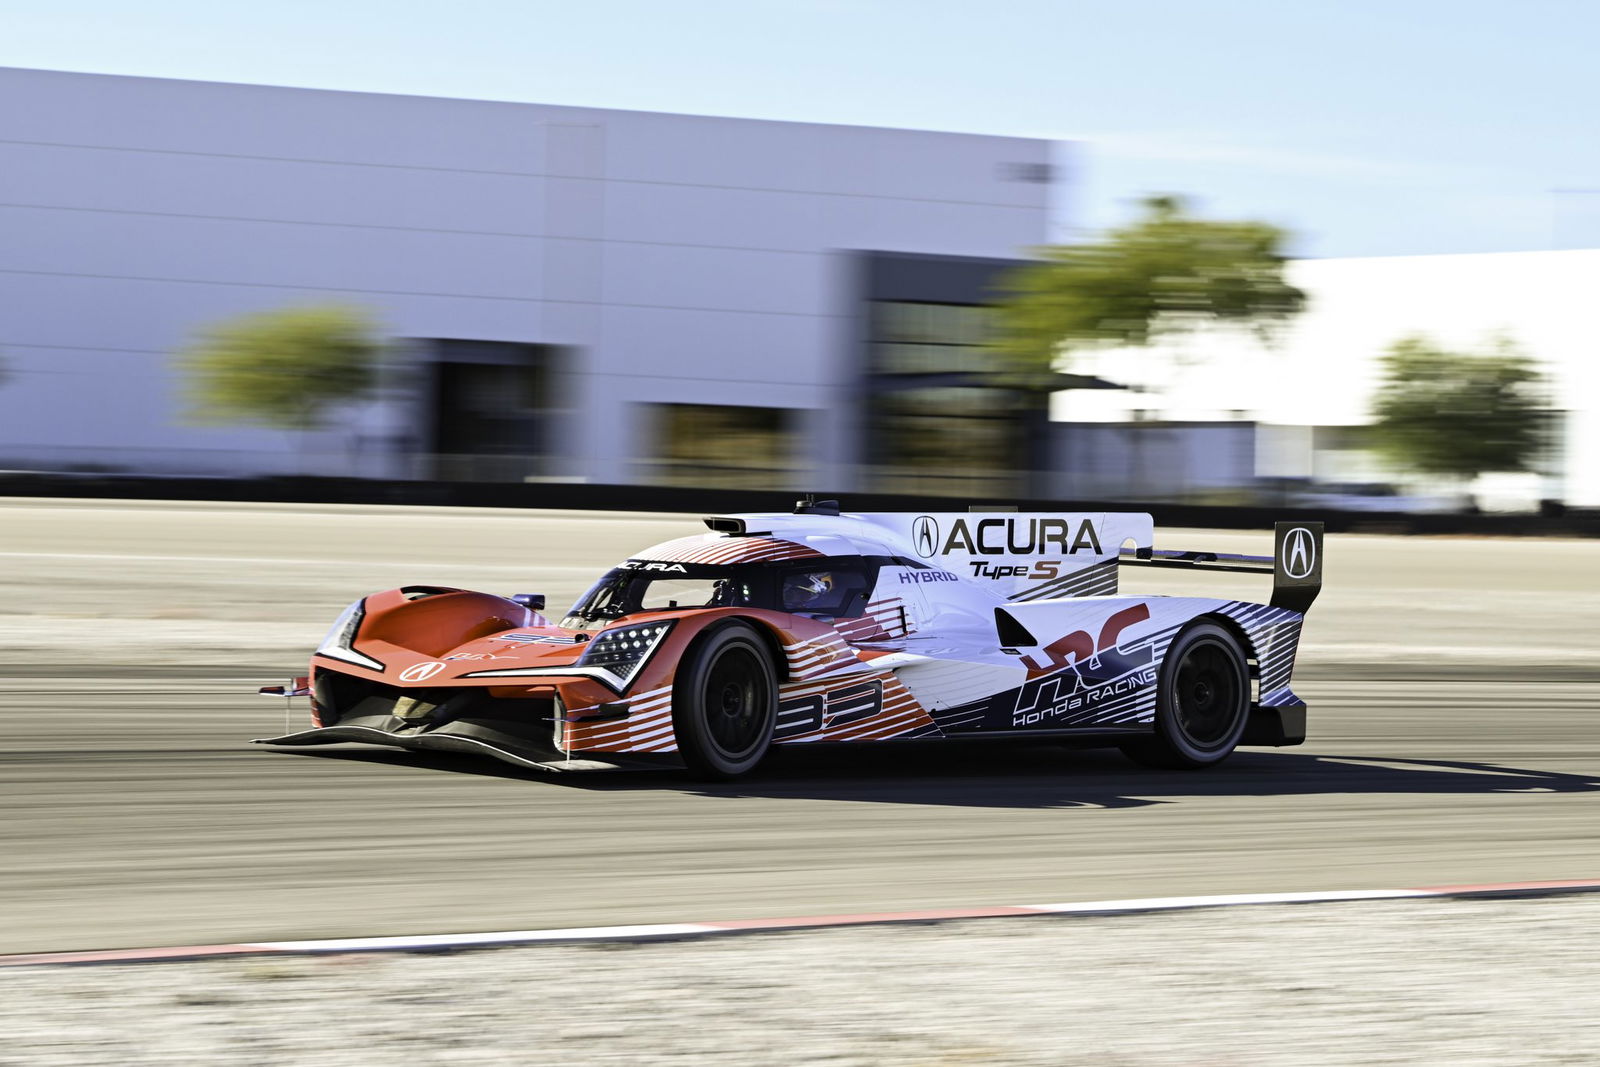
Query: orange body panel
point(445, 638)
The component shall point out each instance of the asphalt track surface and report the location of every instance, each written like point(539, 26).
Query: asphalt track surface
point(1454, 687)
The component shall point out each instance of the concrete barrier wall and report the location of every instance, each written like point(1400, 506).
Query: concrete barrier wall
point(587, 497)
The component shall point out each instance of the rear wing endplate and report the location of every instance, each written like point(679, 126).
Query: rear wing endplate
point(1295, 563)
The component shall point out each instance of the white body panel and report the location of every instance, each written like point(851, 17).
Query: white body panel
point(1079, 657)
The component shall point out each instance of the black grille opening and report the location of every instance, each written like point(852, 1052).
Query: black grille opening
point(342, 697)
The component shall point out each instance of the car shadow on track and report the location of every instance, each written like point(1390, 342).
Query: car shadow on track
point(1007, 775)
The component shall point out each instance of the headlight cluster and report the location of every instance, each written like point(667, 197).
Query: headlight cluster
point(339, 642)
point(624, 650)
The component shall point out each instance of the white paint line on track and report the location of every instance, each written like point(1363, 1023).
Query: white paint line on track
point(1227, 900)
point(657, 931)
point(510, 937)
point(121, 557)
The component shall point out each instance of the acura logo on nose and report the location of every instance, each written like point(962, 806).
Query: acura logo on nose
point(421, 672)
point(925, 535)
point(1299, 553)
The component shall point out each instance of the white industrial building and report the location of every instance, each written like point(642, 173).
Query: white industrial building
point(572, 287)
point(1323, 369)
point(624, 297)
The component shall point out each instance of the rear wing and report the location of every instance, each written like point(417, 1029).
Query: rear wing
point(1295, 563)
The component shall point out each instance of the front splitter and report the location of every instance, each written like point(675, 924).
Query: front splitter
point(458, 744)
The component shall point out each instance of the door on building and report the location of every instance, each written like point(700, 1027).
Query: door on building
point(490, 408)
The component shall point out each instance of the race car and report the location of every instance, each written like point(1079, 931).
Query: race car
point(822, 626)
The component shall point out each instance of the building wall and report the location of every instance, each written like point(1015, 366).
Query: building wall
point(1148, 461)
point(682, 259)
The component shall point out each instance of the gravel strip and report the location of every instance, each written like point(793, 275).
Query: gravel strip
point(1448, 982)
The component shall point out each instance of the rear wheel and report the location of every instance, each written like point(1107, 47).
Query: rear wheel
point(1202, 701)
point(725, 702)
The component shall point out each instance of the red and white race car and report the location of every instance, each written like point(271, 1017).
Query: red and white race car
point(820, 626)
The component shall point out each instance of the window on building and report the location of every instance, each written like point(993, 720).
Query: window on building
point(488, 408)
point(714, 445)
point(938, 420)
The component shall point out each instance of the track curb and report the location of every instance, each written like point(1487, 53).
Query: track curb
point(686, 931)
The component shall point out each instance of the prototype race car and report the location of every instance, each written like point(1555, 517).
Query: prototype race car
point(817, 626)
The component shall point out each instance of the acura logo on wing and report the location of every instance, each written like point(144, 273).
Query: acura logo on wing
point(925, 535)
point(421, 672)
point(1299, 553)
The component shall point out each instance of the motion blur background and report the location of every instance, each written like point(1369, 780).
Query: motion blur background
point(290, 271)
point(788, 290)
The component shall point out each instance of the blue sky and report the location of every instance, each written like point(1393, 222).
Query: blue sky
point(1367, 128)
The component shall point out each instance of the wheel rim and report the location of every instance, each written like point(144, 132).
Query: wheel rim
point(1207, 691)
point(736, 703)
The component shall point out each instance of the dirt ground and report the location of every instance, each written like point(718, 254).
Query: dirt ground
point(1440, 982)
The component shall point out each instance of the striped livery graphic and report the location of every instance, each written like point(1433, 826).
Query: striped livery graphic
point(820, 657)
point(647, 727)
point(1115, 687)
point(1097, 579)
point(884, 620)
point(713, 549)
point(835, 698)
point(1274, 633)
point(878, 708)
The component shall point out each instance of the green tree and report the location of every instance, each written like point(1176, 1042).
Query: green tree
point(1459, 414)
point(287, 369)
point(1165, 273)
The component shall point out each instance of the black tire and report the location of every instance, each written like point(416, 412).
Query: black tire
point(1202, 701)
point(725, 702)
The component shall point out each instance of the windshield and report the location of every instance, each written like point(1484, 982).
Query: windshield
point(627, 590)
point(830, 590)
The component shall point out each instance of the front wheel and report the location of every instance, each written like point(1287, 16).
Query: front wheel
point(1202, 701)
point(725, 703)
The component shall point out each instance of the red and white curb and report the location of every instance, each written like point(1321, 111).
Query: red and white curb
point(680, 931)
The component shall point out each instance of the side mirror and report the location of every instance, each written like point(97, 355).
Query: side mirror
point(531, 601)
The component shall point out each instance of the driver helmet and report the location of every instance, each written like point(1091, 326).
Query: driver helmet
point(807, 591)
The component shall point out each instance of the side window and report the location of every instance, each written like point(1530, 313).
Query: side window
point(832, 591)
point(668, 593)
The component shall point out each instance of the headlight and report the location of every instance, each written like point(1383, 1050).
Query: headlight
point(338, 643)
point(614, 656)
point(623, 650)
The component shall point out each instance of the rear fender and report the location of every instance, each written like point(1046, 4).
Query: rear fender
point(1246, 642)
point(1101, 639)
